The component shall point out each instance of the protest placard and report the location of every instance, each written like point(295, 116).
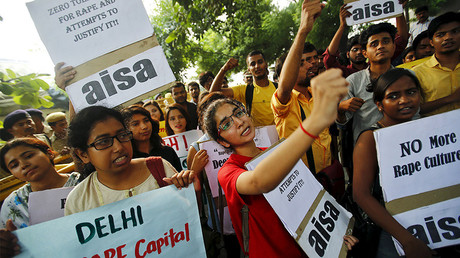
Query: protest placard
point(181, 142)
point(76, 31)
point(163, 223)
point(372, 10)
point(126, 80)
point(419, 176)
point(47, 205)
point(310, 214)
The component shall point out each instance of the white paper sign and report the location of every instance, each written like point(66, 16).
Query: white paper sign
point(122, 82)
point(419, 164)
point(320, 235)
point(181, 142)
point(371, 10)
point(47, 205)
point(76, 31)
point(160, 223)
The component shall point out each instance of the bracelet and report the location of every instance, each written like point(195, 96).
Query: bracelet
point(307, 133)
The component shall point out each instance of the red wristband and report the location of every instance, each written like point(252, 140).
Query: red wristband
point(307, 133)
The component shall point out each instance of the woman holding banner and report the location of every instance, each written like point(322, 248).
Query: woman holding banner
point(397, 94)
point(102, 141)
point(146, 141)
point(227, 122)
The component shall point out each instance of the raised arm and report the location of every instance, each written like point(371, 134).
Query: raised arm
point(401, 24)
point(217, 82)
point(288, 77)
point(328, 89)
point(335, 42)
point(62, 76)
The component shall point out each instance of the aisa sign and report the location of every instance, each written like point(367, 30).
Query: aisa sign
point(122, 82)
point(372, 10)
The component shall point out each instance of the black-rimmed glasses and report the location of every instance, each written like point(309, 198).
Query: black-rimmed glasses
point(227, 122)
point(107, 142)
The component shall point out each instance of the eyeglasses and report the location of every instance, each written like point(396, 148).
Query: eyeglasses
point(227, 122)
point(107, 142)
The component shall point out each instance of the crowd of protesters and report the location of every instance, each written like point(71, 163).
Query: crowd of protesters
point(326, 107)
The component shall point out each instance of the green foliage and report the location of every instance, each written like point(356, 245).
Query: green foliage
point(206, 33)
point(25, 89)
point(433, 5)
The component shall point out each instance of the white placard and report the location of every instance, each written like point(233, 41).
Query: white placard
point(76, 31)
point(122, 82)
point(162, 222)
point(47, 205)
point(371, 10)
point(321, 234)
point(181, 142)
point(419, 164)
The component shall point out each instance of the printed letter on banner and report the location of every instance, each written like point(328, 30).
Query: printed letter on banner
point(372, 10)
point(419, 162)
point(181, 142)
point(311, 215)
point(77, 31)
point(162, 222)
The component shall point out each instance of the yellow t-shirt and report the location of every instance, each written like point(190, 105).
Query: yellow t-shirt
point(438, 82)
point(288, 118)
point(261, 112)
point(162, 133)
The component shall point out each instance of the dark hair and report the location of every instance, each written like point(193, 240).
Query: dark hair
point(169, 130)
point(209, 120)
point(388, 78)
point(154, 103)
point(421, 8)
point(279, 64)
point(177, 85)
point(28, 142)
point(308, 47)
point(441, 20)
point(406, 51)
point(193, 84)
point(376, 29)
point(84, 121)
point(36, 112)
point(129, 112)
point(254, 53)
point(204, 103)
point(418, 39)
point(353, 41)
point(204, 77)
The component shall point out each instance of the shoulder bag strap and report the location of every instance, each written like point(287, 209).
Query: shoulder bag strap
point(155, 165)
point(310, 158)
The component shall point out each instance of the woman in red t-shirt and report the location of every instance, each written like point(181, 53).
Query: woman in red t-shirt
point(227, 122)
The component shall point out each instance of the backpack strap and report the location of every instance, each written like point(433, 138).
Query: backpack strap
point(249, 95)
point(155, 165)
point(310, 158)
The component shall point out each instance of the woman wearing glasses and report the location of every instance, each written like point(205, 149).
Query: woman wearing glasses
point(101, 141)
point(227, 122)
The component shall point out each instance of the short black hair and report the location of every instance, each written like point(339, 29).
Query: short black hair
point(406, 51)
point(388, 78)
point(204, 77)
point(177, 85)
point(418, 39)
point(376, 29)
point(441, 20)
point(308, 47)
point(352, 41)
point(254, 53)
point(421, 8)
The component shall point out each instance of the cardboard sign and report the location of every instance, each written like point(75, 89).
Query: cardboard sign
point(47, 205)
point(372, 10)
point(419, 176)
point(181, 142)
point(162, 223)
point(310, 214)
point(76, 31)
point(123, 81)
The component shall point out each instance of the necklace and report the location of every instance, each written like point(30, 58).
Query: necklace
point(381, 124)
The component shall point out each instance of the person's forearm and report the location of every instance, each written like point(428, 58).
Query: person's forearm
point(433, 105)
point(291, 66)
point(335, 42)
point(402, 28)
point(217, 82)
